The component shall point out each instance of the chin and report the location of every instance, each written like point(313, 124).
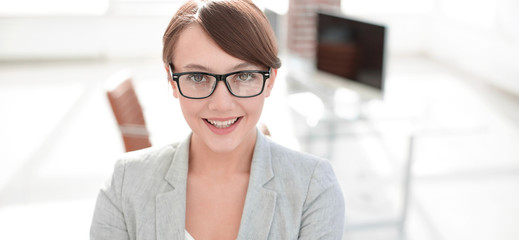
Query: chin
point(223, 146)
point(232, 142)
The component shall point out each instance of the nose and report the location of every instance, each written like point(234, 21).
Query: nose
point(221, 100)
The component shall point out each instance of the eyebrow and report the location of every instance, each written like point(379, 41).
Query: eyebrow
point(243, 65)
point(198, 67)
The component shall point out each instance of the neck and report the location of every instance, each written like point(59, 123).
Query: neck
point(204, 161)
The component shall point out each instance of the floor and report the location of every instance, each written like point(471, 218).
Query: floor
point(437, 158)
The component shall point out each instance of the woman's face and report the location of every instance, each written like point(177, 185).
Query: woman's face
point(221, 122)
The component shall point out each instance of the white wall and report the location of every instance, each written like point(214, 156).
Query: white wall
point(126, 29)
point(488, 51)
point(479, 37)
point(80, 37)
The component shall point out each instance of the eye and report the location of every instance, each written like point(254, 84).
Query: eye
point(245, 76)
point(197, 78)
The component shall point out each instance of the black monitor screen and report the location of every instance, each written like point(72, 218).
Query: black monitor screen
point(351, 49)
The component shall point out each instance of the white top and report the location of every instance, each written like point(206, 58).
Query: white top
point(188, 236)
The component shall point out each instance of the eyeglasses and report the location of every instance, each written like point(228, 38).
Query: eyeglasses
point(199, 85)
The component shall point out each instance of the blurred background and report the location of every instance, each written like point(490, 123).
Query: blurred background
point(419, 118)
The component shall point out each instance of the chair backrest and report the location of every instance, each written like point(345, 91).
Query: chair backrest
point(128, 111)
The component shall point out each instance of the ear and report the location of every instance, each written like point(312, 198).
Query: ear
point(170, 80)
point(270, 82)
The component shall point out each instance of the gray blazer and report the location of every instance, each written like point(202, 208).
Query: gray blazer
point(291, 195)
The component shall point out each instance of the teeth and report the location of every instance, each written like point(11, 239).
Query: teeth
point(222, 124)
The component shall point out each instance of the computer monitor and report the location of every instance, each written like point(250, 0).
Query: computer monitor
point(352, 50)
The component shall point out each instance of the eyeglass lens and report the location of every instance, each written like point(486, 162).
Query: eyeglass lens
point(199, 85)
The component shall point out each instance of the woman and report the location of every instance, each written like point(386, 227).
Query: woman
point(226, 180)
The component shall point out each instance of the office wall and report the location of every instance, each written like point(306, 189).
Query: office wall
point(480, 38)
point(97, 29)
point(47, 38)
point(488, 51)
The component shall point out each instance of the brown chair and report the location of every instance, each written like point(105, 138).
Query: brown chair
point(128, 111)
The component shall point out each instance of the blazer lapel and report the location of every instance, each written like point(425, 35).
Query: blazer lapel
point(171, 206)
point(260, 202)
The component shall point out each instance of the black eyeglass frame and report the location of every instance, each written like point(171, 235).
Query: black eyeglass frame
point(219, 77)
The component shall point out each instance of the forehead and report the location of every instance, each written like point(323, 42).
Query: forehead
point(195, 47)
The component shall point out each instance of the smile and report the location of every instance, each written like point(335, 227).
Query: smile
point(222, 124)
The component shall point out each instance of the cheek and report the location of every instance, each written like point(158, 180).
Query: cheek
point(190, 110)
point(255, 106)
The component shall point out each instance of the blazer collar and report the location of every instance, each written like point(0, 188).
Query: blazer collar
point(260, 202)
point(171, 206)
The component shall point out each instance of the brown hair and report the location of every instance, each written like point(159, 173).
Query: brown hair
point(238, 26)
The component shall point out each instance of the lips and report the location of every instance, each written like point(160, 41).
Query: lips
point(222, 124)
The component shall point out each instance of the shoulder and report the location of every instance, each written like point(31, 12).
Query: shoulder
point(143, 168)
point(149, 156)
point(301, 166)
point(306, 184)
point(149, 159)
